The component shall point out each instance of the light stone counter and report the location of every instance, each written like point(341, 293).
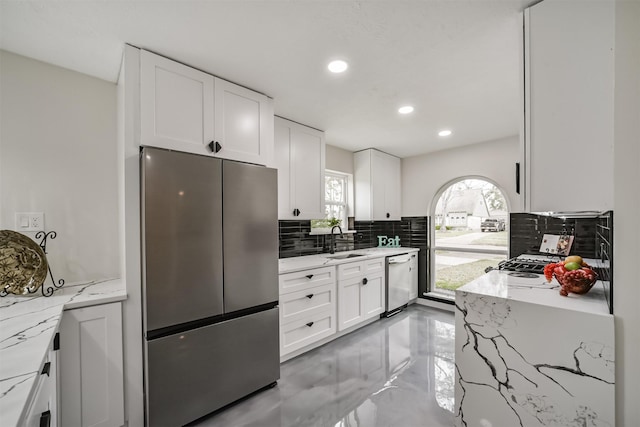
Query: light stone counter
point(289, 265)
point(527, 356)
point(27, 328)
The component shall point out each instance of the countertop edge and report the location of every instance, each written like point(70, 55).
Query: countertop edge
point(322, 260)
point(17, 383)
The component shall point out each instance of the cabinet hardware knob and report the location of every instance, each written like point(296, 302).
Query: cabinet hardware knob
point(310, 296)
point(46, 369)
point(388, 214)
point(310, 324)
point(365, 281)
point(309, 276)
point(214, 146)
point(296, 212)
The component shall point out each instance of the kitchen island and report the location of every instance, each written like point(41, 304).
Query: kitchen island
point(526, 356)
point(28, 325)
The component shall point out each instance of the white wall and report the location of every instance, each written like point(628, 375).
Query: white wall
point(423, 176)
point(58, 156)
point(626, 212)
point(338, 159)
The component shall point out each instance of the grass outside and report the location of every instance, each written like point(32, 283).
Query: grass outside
point(451, 278)
point(492, 238)
point(451, 233)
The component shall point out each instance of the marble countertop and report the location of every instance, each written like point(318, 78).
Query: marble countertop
point(27, 327)
point(502, 284)
point(289, 265)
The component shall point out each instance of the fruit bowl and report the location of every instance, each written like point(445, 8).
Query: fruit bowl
point(573, 274)
point(570, 283)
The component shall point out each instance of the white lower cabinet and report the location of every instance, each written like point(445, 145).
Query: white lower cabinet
point(91, 367)
point(313, 310)
point(361, 291)
point(43, 409)
point(307, 308)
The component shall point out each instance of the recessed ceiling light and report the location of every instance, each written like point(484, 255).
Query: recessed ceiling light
point(406, 109)
point(446, 132)
point(337, 66)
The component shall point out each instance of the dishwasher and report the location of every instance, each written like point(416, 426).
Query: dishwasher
point(398, 283)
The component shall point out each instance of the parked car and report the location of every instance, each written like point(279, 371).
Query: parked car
point(492, 224)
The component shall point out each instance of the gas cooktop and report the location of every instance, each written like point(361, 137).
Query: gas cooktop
point(528, 264)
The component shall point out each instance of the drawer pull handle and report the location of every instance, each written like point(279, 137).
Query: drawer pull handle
point(46, 368)
point(45, 419)
point(309, 276)
point(365, 281)
point(310, 324)
point(310, 296)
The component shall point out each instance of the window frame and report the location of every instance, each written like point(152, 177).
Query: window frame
point(347, 180)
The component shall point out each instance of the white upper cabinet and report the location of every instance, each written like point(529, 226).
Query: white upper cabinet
point(176, 105)
point(569, 82)
point(243, 124)
point(377, 182)
point(300, 159)
point(185, 109)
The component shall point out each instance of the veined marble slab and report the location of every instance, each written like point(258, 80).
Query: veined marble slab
point(289, 265)
point(27, 327)
point(530, 357)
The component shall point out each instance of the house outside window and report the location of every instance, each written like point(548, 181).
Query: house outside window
point(336, 196)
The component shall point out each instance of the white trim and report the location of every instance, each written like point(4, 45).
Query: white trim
point(435, 304)
point(432, 212)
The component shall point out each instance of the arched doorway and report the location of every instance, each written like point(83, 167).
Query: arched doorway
point(469, 233)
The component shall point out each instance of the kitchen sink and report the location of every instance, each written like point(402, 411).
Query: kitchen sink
point(345, 256)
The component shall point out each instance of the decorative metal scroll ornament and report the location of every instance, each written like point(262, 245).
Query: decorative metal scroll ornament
point(24, 266)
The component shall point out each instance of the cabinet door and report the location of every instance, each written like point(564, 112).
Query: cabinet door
point(243, 124)
point(569, 115)
point(282, 161)
point(377, 179)
point(349, 303)
point(91, 371)
point(373, 295)
point(307, 167)
point(300, 159)
point(392, 188)
point(176, 105)
point(379, 164)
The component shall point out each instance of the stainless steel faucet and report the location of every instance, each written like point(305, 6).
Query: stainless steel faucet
point(332, 248)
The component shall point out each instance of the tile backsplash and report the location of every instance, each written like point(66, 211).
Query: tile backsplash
point(413, 232)
point(593, 238)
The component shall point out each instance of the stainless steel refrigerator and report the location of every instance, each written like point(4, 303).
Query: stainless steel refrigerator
point(210, 283)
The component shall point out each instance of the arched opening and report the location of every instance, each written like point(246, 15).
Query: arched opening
point(469, 233)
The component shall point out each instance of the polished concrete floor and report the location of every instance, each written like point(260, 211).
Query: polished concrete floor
point(395, 372)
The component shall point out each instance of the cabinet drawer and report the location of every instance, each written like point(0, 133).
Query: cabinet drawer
point(374, 265)
point(300, 333)
point(306, 279)
point(351, 269)
point(301, 304)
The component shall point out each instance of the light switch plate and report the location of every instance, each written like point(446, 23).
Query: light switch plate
point(29, 221)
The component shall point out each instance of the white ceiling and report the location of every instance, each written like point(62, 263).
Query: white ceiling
point(457, 62)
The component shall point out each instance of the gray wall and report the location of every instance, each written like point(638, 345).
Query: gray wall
point(58, 156)
point(338, 159)
point(424, 176)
